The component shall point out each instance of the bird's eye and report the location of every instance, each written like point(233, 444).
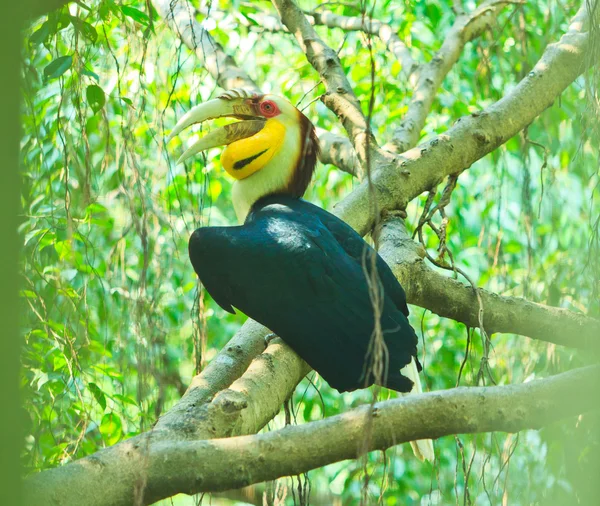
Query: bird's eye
point(269, 109)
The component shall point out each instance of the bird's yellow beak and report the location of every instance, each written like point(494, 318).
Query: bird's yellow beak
point(234, 104)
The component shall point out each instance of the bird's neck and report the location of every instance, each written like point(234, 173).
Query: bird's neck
point(288, 173)
point(273, 178)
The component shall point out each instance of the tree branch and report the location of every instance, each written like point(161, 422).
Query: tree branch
point(450, 298)
point(430, 76)
point(188, 416)
point(424, 167)
point(202, 466)
point(374, 27)
point(337, 150)
point(347, 23)
point(340, 97)
point(256, 397)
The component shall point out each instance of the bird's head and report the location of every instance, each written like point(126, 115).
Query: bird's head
point(272, 149)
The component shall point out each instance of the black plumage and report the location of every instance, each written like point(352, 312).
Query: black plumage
point(299, 270)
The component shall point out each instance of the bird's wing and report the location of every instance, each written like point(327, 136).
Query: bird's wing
point(357, 248)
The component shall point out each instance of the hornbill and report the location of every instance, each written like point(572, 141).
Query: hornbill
point(295, 268)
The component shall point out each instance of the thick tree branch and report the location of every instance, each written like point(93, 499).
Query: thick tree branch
point(430, 76)
point(424, 167)
point(452, 299)
point(241, 389)
point(191, 467)
point(187, 416)
point(256, 397)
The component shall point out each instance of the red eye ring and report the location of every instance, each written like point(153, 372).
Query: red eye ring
point(268, 109)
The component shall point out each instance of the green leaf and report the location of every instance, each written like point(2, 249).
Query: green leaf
point(60, 362)
point(46, 240)
point(90, 73)
point(95, 97)
point(135, 14)
point(58, 67)
point(63, 248)
point(108, 371)
point(58, 21)
point(99, 348)
point(86, 29)
point(111, 428)
point(107, 7)
point(33, 233)
point(125, 400)
point(98, 394)
point(41, 34)
point(127, 101)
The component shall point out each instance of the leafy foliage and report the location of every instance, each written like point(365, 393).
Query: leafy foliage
point(114, 326)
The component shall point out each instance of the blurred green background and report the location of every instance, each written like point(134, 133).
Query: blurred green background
point(114, 325)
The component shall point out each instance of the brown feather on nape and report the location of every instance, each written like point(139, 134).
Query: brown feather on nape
point(308, 158)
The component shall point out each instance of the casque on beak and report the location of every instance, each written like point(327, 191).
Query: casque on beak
point(237, 107)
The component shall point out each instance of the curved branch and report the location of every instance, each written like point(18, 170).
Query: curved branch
point(430, 76)
point(472, 137)
point(450, 298)
point(202, 466)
